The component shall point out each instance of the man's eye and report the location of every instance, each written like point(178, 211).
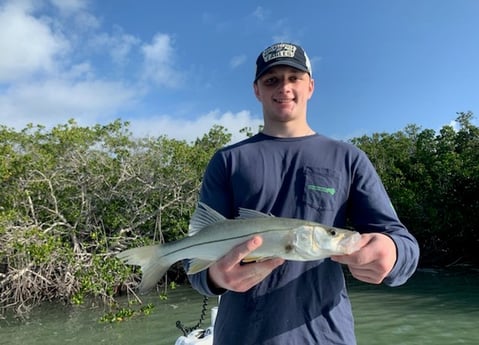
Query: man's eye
point(270, 81)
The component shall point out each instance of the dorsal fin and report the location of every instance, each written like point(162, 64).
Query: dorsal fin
point(246, 213)
point(203, 216)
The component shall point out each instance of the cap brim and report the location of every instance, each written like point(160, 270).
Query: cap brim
point(281, 63)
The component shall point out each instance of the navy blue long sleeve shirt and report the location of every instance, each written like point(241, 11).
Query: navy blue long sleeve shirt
point(312, 178)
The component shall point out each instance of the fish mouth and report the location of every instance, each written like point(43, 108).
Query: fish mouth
point(350, 244)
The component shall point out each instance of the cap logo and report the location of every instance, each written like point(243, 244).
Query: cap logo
point(279, 50)
point(287, 54)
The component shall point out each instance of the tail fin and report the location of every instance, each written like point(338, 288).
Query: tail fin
point(152, 266)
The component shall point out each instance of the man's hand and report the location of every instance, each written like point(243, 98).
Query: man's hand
point(228, 273)
point(373, 261)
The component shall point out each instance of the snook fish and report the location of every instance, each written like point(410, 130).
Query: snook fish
point(211, 236)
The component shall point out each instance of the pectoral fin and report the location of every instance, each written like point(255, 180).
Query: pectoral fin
point(198, 265)
point(250, 259)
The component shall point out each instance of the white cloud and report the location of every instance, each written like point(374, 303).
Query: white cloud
point(190, 130)
point(283, 35)
point(238, 61)
point(80, 71)
point(70, 6)
point(49, 72)
point(119, 44)
point(28, 45)
point(159, 62)
point(455, 125)
point(42, 78)
point(55, 101)
point(259, 13)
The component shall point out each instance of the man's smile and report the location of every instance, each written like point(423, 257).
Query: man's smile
point(283, 100)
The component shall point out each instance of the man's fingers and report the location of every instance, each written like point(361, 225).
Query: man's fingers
point(229, 272)
point(373, 261)
point(366, 275)
point(250, 275)
point(238, 253)
point(358, 257)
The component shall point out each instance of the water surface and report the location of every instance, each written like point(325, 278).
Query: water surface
point(434, 307)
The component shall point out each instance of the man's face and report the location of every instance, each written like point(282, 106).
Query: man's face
point(284, 92)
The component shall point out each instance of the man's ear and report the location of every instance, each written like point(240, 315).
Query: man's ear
point(311, 88)
point(256, 91)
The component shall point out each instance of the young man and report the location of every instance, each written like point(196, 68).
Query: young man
point(290, 171)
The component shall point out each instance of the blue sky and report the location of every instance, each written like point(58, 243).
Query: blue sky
point(176, 68)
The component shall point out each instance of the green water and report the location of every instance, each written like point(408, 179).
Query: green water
point(432, 308)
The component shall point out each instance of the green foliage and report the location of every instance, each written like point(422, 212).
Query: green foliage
point(433, 181)
point(37, 246)
point(74, 196)
point(101, 277)
point(125, 313)
point(248, 131)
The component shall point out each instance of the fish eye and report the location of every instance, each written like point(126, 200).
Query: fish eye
point(332, 232)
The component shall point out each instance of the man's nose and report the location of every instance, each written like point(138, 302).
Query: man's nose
point(283, 83)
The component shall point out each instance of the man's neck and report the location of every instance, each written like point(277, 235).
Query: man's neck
point(283, 130)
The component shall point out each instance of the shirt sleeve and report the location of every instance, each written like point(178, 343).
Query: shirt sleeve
point(371, 210)
point(215, 192)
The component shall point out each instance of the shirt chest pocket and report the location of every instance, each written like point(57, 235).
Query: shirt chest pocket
point(321, 188)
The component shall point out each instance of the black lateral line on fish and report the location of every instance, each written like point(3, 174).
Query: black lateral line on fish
point(224, 239)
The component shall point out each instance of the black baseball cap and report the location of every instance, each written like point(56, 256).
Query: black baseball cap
point(288, 54)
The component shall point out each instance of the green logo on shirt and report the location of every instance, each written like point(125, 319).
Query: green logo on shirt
point(329, 190)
